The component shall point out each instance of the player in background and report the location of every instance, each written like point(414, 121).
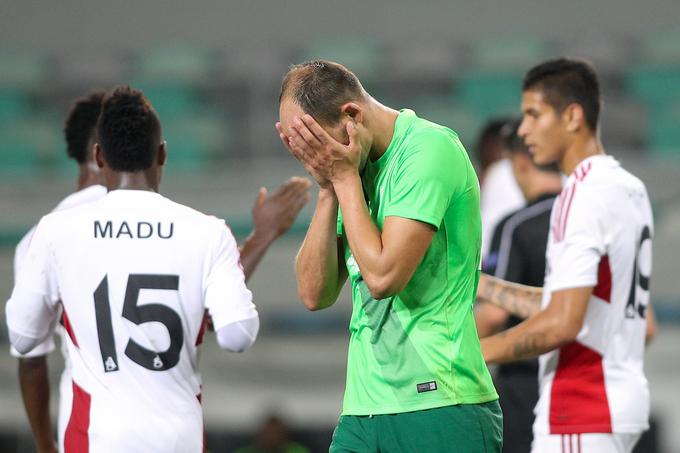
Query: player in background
point(33, 375)
point(517, 254)
point(499, 192)
point(590, 333)
point(262, 212)
point(398, 212)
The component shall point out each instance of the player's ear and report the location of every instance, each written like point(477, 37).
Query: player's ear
point(162, 155)
point(353, 110)
point(573, 117)
point(98, 155)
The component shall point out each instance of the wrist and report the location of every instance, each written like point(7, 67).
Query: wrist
point(346, 179)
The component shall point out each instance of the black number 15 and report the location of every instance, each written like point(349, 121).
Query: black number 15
point(139, 314)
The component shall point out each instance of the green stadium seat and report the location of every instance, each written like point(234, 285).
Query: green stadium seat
point(663, 130)
point(173, 63)
point(13, 104)
point(487, 94)
point(655, 85)
point(196, 141)
point(517, 54)
point(28, 146)
point(172, 99)
point(465, 123)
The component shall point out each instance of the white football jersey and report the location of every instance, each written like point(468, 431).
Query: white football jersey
point(134, 273)
point(601, 236)
point(83, 196)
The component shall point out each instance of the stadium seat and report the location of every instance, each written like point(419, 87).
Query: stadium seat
point(28, 146)
point(195, 141)
point(462, 121)
point(171, 99)
point(173, 63)
point(14, 104)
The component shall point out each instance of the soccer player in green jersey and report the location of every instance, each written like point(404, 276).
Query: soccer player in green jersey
point(398, 212)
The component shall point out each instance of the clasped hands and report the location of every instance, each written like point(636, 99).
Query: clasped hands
point(326, 159)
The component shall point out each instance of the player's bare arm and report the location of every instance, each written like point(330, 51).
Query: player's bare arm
point(387, 259)
point(273, 215)
point(35, 390)
point(549, 329)
point(520, 300)
point(319, 266)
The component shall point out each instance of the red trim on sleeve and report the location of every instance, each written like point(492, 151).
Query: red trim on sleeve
point(603, 290)
point(201, 331)
point(67, 326)
point(578, 398)
point(76, 438)
point(564, 214)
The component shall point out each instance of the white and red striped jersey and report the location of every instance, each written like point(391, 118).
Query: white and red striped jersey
point(601, 236)
point(83, 196)
point(134, 273)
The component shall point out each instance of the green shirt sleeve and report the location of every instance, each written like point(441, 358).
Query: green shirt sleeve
point(432, 172)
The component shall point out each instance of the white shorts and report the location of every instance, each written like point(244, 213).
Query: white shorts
point(585, 443)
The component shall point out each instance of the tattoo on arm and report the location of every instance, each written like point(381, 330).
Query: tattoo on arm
point(530, 345)
point(520, 300)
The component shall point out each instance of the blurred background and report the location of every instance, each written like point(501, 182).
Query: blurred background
point(212, 70)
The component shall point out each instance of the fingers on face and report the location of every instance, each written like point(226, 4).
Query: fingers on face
point(314, 127)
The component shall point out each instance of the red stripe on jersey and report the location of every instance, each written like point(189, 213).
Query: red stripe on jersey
point(201, 331)
point(67, 325)
point(578, 398)
point(76, 439)
point(603, 290)
point(565, 213)
point(199, 397)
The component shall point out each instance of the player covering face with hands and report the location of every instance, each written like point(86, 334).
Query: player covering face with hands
point(393, 188)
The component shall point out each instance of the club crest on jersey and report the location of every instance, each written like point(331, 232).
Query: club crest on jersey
point(133, 230)
point(157, 362)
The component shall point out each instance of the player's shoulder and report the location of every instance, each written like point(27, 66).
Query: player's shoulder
point(603, 176)
point(192, 215)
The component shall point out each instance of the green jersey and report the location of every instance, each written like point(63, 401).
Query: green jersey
point(419, 349)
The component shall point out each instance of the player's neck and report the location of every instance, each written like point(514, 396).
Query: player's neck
point(383, 120)
point(141, 180)
point(87, 177)
point(580, 149)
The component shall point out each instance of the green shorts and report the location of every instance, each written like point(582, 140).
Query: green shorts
point(465, 428)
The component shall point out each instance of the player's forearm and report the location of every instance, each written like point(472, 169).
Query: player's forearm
point(252, 250)
point(521, 300)
point(316, 265)
point(35, 392)
point(365, 240)
point(540, 334)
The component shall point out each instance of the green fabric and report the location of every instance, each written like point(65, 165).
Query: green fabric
point(425, 334)
point(465, 428)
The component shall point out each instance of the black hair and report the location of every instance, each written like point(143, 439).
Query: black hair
point(515, 145)
point(490, 137)
point(565, 81)
point(128, 130)
point(80, 125)
point(320, 88)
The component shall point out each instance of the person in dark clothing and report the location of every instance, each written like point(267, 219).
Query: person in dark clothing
point(517, 254)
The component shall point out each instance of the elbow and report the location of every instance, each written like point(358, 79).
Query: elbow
point(382, 287)
point(566, 332)
point(312, 302)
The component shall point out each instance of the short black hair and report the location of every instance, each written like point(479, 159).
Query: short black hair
point(320, 88)
point(491, 135)
point(80, 125)
point(515, 145)
point(565, 81)
point(128, 130)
